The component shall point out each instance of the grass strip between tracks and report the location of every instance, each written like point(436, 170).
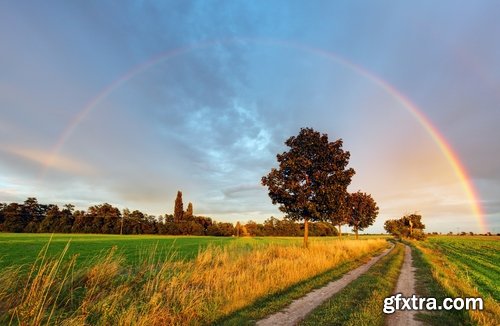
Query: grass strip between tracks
point(277, 301)
point(361, 302)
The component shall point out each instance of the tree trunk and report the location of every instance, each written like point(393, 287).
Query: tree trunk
point(356, 230)
point(306, 233)
point(340, 232)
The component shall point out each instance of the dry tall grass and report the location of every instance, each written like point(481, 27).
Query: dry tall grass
point(165, 291)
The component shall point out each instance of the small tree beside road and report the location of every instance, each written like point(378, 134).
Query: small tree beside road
point(363, 211)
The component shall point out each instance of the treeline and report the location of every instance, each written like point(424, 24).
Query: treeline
point(409, 226)
point(33, 217)
point(285, 227)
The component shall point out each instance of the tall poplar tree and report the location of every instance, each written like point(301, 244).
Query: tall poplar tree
point(178, 208)
point(189, 211)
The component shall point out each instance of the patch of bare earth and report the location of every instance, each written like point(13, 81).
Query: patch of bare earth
point(299, 308)
point(405, 286)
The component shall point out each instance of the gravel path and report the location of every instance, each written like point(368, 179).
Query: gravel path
point(299, 308)
point(405, 286)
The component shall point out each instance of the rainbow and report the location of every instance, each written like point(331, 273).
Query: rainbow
point(437, 137)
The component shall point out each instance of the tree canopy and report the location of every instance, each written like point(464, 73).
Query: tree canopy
point(311, 181)
point(363, 211)
point(408, 226)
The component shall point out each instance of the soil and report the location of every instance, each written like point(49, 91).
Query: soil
point(405, 286)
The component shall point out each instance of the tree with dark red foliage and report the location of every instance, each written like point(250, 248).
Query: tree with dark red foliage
point(178, 208)
point(311, 181)
point(363, 211)
point(189, 212)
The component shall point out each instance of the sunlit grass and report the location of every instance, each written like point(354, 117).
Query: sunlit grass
point(163, 289)
point(361, 302)
point(22, 248)
point(466, 267)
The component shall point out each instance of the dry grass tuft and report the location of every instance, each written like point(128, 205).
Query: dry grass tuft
point(164, 291)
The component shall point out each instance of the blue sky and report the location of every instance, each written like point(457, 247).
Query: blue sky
point(210, 119)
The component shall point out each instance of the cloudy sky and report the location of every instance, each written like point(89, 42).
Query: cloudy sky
point(127, 102)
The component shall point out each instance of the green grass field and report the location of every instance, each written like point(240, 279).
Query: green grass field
point(208, 279)
point(23, 248)
point(477, 259)
point(446, 266)
point(459, 266)
point(470, 263)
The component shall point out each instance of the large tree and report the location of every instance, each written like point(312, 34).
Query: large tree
point(311, 181)
point(178, 208)
point(363, 211)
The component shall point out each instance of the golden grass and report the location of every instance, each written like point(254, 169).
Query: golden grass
point(445, 273)
point(165, 291)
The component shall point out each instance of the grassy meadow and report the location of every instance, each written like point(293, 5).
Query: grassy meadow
point(144, 280)
point(460, 266)
point(446, 266)
point(477, 260)
point(23, 248)
point(75, 279)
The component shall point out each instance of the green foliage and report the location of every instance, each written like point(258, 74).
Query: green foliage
point(409, 226)
point(221, 229)
point(12, 218)
point(32, 217)
point(107, 219)
point(288, 227)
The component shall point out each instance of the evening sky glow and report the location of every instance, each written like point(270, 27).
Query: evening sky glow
point(127, 103)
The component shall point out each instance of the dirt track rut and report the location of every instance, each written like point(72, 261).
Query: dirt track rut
point(299, 308)
point(405, 286)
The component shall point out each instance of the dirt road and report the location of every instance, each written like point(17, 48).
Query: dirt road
point(299, 308)
point(405, 286)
